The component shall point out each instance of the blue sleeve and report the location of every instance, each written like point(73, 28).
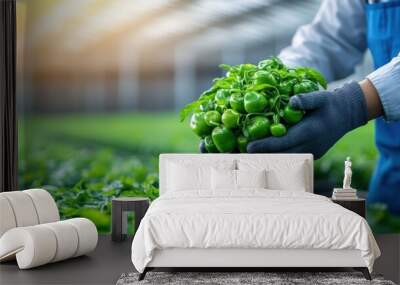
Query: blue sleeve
point(334, 43)
point(386, 80)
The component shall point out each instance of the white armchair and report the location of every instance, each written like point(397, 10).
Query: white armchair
point(31, 230)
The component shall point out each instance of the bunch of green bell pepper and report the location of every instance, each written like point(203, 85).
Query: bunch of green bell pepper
point(249, 103)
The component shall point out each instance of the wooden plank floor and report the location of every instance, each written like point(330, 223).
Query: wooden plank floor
point(111, 259)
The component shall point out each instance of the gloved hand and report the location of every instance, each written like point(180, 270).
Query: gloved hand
point(329, 116)
point(202, 147)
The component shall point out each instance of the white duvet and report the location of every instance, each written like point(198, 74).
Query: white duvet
point(250, 219)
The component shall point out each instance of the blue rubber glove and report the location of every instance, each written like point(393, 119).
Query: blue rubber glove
point(202, 147)
point(329, 116)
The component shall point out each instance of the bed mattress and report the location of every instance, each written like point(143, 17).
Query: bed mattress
point(252, 219)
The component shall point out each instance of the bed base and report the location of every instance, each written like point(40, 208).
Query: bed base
point(250, 259)
point(363, 270)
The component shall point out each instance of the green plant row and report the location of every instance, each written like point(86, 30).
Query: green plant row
point(84, 181)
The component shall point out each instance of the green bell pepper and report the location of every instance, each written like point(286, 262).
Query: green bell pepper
point(222, 97)
point(286, 87)
point(254, 102)
point(278, 129)
point(220, 109)
point(237, 102)
point(230, 119)
point(212, 118)
point(224, 139)
point(292, 116)
point(271, 63)
point(305, 86)
point(242, 142)
point(207, 106)
point(198, 124)
point(265, 77)
point(256, 128)
point(209, 144)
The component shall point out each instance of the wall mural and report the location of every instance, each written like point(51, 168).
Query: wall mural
point(101, 84)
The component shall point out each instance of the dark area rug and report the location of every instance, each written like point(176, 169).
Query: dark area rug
point(243, 278)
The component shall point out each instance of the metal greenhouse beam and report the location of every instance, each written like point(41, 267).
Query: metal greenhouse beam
point(218, 22)
point(117, 38)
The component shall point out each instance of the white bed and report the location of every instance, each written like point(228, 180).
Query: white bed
point(198, 223)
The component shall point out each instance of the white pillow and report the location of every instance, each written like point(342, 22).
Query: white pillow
point(284, 174)
point(223, 179)
point(251, 178)
point(230, 180)
point(183, 178)
point(184, 175)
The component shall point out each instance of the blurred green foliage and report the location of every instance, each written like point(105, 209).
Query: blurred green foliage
point(134, 132)
point(86, 160)
point(83, 181)
point(360, 146)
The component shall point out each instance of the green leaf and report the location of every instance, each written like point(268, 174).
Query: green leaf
point(225, 67)
point(188, 109)
point(209, 92)
point(271, 63)
point(259, 87)
point(222, 82)
point(247, 76)
point(318, 76)
point(314, 75)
